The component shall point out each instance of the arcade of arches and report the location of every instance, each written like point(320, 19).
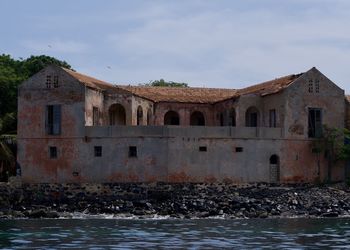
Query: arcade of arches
point(117, 116)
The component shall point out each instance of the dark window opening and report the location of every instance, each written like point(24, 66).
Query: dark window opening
point(239, 149)
point(132, 151)
point(221, 119)
point(232, 118)
point(149, 116)
point(117, 115)
point(315, 123)
point(197, 119)
point(252, 117)
point(274, 159)
point(171, 118)
point(272, 120)
point(202, 149)
point(48, 81)
point(95, 116)
point(53, 152)
point(98, 151)
point(139, 116)
point(53, 119)
point(55, 81)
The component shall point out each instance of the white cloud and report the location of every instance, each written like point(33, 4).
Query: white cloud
point(212, 43)
point(223, 45)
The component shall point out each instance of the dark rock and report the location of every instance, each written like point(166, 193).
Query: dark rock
point(330, 214)
point(39, 213)
point(52, 214)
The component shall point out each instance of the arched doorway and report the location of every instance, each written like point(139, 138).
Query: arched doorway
point(274, 169)
point(252, 117)
point(232, 118)
point(139, 116)
point(171, 118)
point(197, 119)
point(117, 115)
point(149, 116)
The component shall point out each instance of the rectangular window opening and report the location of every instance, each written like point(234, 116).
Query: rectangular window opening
point(132, 151)
point(53, 119)
point(53, 152)
point(98, 151)
point(315, 123)
point(95, 116)
point(272, 120)
point(239, 149)
point(202, 149)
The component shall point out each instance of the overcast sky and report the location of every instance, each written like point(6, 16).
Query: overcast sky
point(214, 43)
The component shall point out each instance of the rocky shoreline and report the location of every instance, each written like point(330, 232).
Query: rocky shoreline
point(185, 200)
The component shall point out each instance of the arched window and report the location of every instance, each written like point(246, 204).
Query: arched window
point(232, 118)
point(117, 115)
point(197, 119)
point(139, 115)
point(149, 116)
point(252, 117)
point(171, 118)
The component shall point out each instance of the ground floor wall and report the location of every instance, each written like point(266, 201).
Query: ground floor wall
point(172, 159)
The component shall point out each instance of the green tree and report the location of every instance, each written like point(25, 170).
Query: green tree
point(163, 83)
point(332, 145)
point(12, 73)
point(7, 158)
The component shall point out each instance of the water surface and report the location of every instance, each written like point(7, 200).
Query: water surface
point(175, 233)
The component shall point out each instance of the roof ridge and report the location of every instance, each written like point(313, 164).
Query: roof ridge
point(188, 94)
point(169, 87)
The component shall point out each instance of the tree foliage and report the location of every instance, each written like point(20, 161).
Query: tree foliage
point(163, 83)
point(12, 73)
point(335, 145)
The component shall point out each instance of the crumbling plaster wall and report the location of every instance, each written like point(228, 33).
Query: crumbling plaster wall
point(298, 101)
point(93, 98)
point(117, 97)
point(33, 140)
point(147, 110)
point(174, 155)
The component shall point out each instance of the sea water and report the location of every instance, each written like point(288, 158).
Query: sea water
point(175, 233)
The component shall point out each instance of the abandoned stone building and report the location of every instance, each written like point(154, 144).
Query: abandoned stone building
point(74, 128)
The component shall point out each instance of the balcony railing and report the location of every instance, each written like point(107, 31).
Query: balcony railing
point(178, 131)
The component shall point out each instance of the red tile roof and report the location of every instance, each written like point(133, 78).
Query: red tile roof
point(89, 81)
point(270, 87)
point(189, 94)
point(181, 94)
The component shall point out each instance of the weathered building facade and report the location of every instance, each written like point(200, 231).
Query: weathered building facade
point(74, 128)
